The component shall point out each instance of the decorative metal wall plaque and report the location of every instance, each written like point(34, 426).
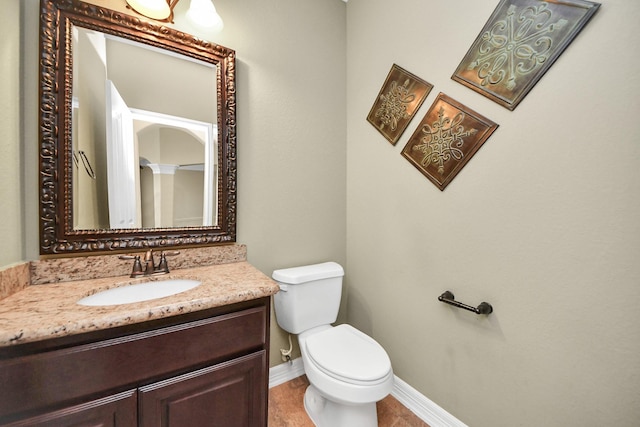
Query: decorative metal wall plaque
point(446, 139)
point(518, 44)
point(401, 96)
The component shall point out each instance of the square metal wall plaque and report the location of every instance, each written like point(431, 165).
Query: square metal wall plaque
point(518, 44)
point(401, 96)
point(446, 139)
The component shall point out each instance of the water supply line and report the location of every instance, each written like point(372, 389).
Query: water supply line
point(286, 354)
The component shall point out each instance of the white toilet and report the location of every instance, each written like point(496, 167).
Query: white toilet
point(348, 371)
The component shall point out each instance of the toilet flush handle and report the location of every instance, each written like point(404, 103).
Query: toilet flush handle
point(283, 288)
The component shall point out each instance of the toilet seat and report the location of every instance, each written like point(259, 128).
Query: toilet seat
point(348, 355)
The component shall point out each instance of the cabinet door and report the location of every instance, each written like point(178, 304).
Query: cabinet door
point(231, 394)
point(119, 410)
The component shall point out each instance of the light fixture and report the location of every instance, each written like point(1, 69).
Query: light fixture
point(160, 10)
point(201, 12)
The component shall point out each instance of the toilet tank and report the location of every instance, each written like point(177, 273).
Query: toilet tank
point(309, 296)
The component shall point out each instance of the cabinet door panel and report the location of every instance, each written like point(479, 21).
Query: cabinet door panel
point(119, 410)
point(231, 394)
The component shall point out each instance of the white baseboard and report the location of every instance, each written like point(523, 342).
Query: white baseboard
point(285, 372)
point(425, 409)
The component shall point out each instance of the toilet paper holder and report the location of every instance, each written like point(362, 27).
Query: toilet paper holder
point(447, 297)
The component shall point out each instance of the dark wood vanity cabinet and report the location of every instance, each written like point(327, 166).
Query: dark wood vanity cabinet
point(202, 369)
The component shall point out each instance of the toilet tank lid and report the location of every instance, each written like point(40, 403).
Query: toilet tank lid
point(308, 273)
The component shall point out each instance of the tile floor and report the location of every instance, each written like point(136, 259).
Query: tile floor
point(287, 410)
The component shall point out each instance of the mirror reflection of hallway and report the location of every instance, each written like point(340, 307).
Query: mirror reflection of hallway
point(172, 177)
point(162, 109)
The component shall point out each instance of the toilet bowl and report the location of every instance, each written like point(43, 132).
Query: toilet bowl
point(348, 371)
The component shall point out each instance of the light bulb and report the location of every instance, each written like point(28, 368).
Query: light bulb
point(203, 14)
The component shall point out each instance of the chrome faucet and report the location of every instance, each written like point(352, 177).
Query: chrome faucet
point(150, 267)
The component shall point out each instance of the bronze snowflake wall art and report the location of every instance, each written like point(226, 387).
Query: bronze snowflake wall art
point(518, 44)
point(446, 139)
point(401, 96)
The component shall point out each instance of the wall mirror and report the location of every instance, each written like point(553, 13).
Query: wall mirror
point(137, 133)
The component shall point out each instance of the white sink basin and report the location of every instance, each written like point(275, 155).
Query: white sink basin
point(144, 291)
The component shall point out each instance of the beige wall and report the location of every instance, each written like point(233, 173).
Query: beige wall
point(29, 77)
point(291, 132)
point(10, 147)
point(542, 223)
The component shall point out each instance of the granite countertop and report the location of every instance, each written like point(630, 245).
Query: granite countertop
point(41, 312)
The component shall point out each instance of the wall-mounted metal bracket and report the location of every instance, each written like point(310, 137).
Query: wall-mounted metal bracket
point(448, 298)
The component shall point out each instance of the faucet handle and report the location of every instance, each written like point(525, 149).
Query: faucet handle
point(137, 265)
point(163, 267)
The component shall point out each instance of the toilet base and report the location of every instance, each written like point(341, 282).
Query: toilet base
point(325, 413)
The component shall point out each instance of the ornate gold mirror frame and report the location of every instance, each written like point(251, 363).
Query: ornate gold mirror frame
point(57, 234)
